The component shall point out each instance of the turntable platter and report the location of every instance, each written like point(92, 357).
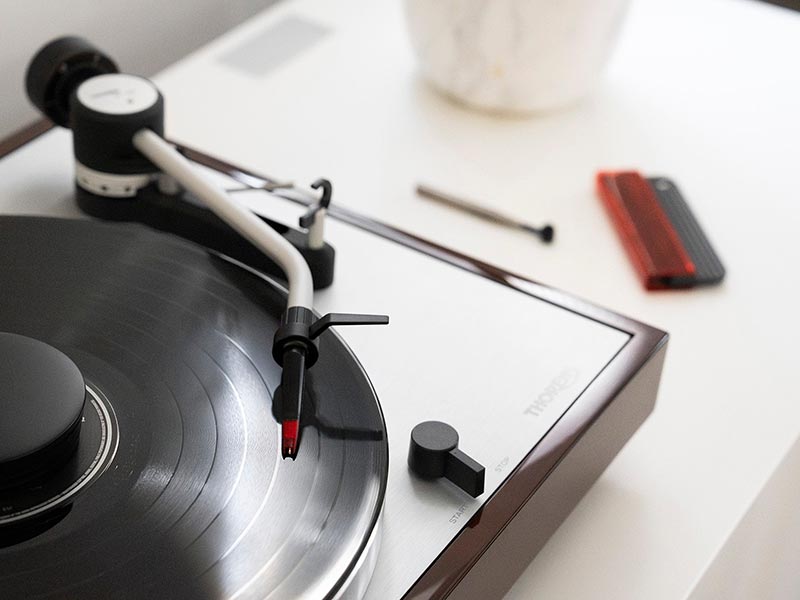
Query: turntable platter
point(177, 487)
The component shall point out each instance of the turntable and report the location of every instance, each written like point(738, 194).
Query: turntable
point(180, 420)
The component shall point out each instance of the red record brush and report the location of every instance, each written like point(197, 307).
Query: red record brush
point(663, 239)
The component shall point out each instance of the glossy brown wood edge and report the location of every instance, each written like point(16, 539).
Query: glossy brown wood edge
point(498, 511)
point(446, 573)
point(562, 487)
point(431, 248)
point(24, 135)
point(252, 179)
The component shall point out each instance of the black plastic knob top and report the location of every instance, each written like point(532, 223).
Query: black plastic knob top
point(433, 453)
point(42, 395)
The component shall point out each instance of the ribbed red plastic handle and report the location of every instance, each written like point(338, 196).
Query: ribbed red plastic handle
point(649, 238)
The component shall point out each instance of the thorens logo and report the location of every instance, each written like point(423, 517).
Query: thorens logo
point(561, 382)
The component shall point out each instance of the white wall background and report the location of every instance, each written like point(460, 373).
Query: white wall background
point(142, 36)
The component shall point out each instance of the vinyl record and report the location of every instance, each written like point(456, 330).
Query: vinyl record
point(177, 488)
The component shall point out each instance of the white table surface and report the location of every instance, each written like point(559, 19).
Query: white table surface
point(704, 91)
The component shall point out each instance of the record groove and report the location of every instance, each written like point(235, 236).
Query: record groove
point(196, 502)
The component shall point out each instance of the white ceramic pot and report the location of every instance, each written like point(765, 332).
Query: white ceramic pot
point(514, 56)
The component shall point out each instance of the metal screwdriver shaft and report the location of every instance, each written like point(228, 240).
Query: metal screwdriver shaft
point(545, 233)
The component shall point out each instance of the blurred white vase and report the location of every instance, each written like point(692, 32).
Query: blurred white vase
point(514, 56)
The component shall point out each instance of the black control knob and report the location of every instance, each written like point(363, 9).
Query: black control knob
point(58, 69)
point(434, 453)
point(42, 395)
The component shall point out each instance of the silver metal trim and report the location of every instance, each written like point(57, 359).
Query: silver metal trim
point(108, 184)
